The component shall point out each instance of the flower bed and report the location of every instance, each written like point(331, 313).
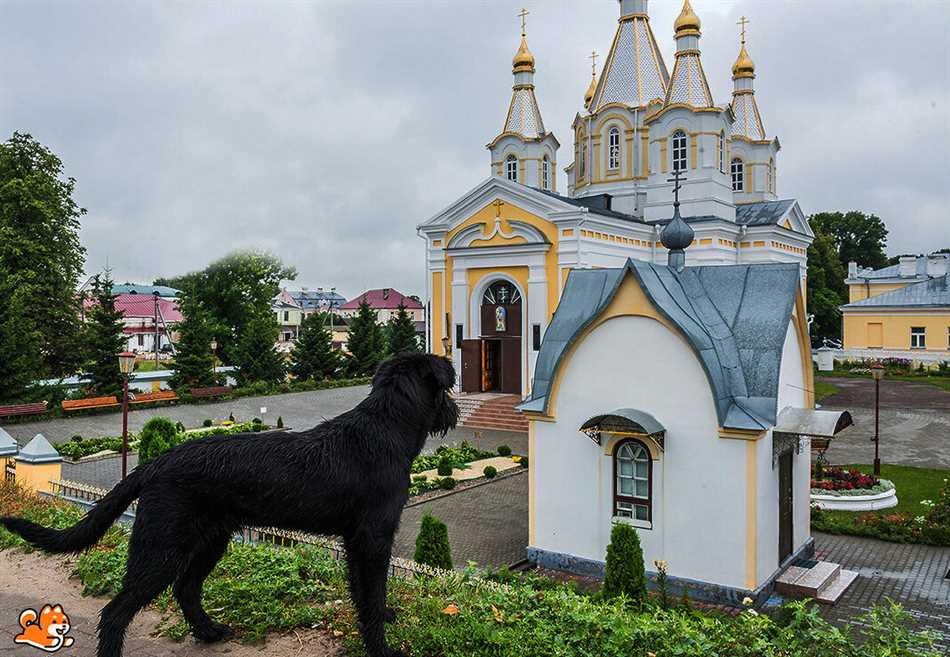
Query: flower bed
point(837, 489)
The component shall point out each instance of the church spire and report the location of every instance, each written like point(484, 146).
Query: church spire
point(634, 72)
point(524, 115)
point(748, 122)
point(688, 85)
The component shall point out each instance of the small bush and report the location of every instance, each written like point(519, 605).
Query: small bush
point(445, 467)
point(179, 427)
point(624, 571)
point(490, 471)
point(230, 417)
point(280, 422)
point(158, 436)
point(504, 450)
point(207, 423)
point(447, 483)
point(76, 438)
point(523, 462)
point(432, 543)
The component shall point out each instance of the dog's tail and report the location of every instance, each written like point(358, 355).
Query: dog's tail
point(87, 531)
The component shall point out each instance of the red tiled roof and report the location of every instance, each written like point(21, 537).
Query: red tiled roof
point(138, 305)
point(382, 299)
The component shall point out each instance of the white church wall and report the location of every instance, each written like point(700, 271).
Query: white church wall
point(699, 481)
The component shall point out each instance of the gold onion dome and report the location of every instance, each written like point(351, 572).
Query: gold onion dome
point(743, 68)
point(687, 22)
point(523, 60)
point(589, 96)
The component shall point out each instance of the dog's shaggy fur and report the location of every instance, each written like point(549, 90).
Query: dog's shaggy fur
point(348, 477)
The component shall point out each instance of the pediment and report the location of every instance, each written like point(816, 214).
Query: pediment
point(501, 231)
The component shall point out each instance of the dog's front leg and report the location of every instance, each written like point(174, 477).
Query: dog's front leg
point(371, 560)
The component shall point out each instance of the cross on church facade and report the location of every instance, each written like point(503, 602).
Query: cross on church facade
point(498, 205)
point(677, 178)
point(524, 15)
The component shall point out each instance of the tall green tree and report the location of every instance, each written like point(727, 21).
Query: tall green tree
point(233, 290)
point(256, 355)
point(366, 342)
point(104, 339)
point(401, 332)
point(826, 289)
point(194, 360)
point(20, 342)
point(857, 236)
point(40, 251)
point(314, 356)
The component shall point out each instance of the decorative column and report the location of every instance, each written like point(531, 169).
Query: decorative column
point(37, 464)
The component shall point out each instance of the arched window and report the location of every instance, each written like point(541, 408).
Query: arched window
point(722, 151)
point(501, 293)
point(613, 149)
point(633, 471)
point(545, 173)
point(771, 174)
point(738, 175)
point(582, 167)
point(679, 151)
point(511, 168)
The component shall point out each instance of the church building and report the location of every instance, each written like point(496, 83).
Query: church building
point(498, 258)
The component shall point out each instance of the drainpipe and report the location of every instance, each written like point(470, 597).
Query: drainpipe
point(742, 232)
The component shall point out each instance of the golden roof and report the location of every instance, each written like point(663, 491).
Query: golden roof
point(687, 22)
point(590, 90)
point(743, 68)
point(523, 60)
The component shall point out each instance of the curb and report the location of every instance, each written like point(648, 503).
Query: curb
point(497, 478)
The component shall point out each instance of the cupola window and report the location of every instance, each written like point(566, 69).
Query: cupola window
point(582, 167)
point(545, 173)
point(679, 151)
point(632, 474)
point(511, 168)
point(771, 178)
point(613, 149)
point(722, 151)
point(738, 175)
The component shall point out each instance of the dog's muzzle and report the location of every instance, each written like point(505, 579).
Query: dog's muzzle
point(446, 414)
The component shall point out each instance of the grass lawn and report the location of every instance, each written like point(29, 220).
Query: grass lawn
point(824, 389)
point(941, 381)
point(149, 365)
point(913, 485)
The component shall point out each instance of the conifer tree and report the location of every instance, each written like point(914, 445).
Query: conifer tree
point(401, 333)
point(104, 339)
point(366, 342)
point(432, 543)
point(257, 358)
point(194, 360)
point(20, 342)
point(314, 356)
point(624, 571)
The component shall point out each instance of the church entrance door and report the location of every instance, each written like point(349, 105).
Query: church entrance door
point(492, 363)
point(785, 517)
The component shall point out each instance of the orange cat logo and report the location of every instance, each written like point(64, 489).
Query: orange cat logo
point(47, 631)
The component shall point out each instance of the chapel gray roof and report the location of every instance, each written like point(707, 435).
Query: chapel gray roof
point(8, 446)
point(763, 213)
point(735, 317)
point(596, 204)
point(925, 294)
point(39, 450)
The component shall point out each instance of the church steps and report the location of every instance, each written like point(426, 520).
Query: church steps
point(491, 412)
point(824, 581)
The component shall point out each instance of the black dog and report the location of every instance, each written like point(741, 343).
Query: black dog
point(348, 477)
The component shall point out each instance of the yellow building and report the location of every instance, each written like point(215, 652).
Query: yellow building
point(902, 310)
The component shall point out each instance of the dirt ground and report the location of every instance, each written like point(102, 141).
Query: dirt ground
point(32, 580)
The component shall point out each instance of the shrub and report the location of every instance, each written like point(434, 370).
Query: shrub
point(280, 422)
point(447, 483)
point(445, 467)
point(76, 438)
point(523, 462)
point(230, 417)
point(490, 471)
point(256, 424)
point(432, 543)
point(179, 427)
point(624, 571)
point(504, 450)
point(158, 436)
point(207, 423)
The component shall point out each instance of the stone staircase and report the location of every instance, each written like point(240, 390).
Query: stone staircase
point(824, 581)
point(491, 411)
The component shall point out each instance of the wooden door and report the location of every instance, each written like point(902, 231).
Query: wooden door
point(785, 518)
point(471, 365)
point(511, 365)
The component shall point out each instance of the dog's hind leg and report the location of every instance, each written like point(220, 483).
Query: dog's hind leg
point(208, 551)
point(354, 568)
point(373, 567)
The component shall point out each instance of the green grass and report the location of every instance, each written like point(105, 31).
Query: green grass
point(149, 365)
point(824, 389)
point(941, 381)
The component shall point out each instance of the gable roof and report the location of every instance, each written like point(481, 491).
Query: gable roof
point(149, 290)
point(134, 306)
point(8, 446)
point(39, 450)
point(735, 317)
point(385, 298)
point(934, 293)
point(763, 213)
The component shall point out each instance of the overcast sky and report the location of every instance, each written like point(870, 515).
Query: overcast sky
point(326, 131)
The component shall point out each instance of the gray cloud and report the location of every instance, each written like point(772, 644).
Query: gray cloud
point(326, 131)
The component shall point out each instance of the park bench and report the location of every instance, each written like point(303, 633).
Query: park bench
point(91, 402)
point(22, 409)
point(147, 397)
point(213, 391)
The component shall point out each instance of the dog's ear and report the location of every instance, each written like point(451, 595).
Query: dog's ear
point(442, 371)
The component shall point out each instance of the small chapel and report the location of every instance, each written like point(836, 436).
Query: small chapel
point(499, 257)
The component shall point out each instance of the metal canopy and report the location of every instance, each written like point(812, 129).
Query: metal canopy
point(626, 422)
point(812, 423)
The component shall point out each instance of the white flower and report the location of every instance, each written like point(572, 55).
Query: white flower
point(920, 520)
point(752, 612)
point(747, 601)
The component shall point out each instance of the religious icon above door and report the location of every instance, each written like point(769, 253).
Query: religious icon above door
point(500, 319)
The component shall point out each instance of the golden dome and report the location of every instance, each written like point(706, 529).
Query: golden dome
point(687, 23)
point(523, 60)
point(743, 68)
point(589, 96)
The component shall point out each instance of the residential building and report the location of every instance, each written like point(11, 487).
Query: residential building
point(319, 299)
point(289, 316)
point(385, 301)
point(144, 317)
point(146, 290)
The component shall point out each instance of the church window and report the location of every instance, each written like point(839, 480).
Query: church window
point(632, 481)
point(501, 293)
point(511, 168)
point(545, 173)
point(738, 175)
point(722, 151)
point(771, 176)
point(582, 169)
point(679, 151)
point(613, 149)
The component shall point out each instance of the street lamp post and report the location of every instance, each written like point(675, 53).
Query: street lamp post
point(126, 365)
point(877, 371)
point(214, 358)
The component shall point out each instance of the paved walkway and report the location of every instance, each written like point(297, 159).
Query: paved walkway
point(913, 575)
point(915, 423)
point(32, 580)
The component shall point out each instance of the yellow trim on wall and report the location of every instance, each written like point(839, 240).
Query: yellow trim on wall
point(436, 328)
point(751, 515)
point(742, 434)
